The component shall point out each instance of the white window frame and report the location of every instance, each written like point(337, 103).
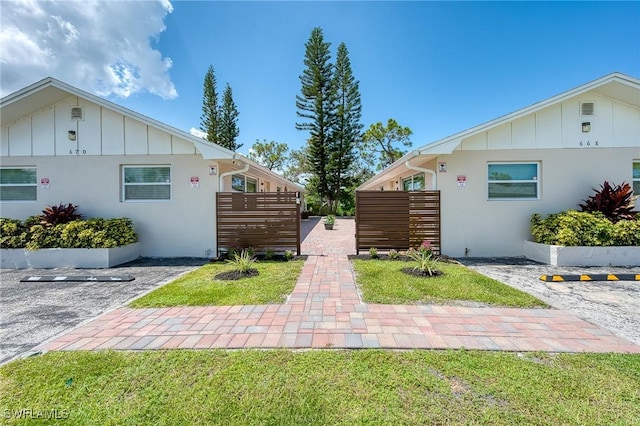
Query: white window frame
point(536, 180)
point(245, 178)
point(124, 184)
point(635, 181)
point(34, 184)
point(411, 178)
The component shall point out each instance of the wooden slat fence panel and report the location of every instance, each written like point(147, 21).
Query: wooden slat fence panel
point(397, 219)
point(262, 220)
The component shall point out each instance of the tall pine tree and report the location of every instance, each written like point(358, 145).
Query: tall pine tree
point(316, 105)
point(228, 121)
point(346, 129)
point(209, 121)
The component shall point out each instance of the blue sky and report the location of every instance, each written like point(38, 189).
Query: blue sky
point(437, 67)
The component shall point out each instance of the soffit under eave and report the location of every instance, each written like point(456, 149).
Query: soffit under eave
point(400, 170)
point(210, 151)
point(619, 91)
point(443, 148)
point(31, 103)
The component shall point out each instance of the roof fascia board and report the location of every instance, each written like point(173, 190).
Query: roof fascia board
point(25, 91)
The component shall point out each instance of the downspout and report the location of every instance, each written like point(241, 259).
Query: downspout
point(408, 165)
point(232, 172)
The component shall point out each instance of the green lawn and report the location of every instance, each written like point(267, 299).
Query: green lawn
point(382, 281)
point(198, 288)
point(281, 387)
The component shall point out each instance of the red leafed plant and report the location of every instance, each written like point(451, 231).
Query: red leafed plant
point(55, 215)
point(616, 202)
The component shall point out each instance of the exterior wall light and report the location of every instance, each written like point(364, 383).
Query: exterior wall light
point(72, 135)
point(586, 127)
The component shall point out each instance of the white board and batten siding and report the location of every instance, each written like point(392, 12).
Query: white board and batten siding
point(101, 131)
point(613, 124)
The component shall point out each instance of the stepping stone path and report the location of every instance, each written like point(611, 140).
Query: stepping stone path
point(325, 310)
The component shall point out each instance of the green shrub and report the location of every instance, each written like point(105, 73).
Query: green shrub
point(269, 254)
point(373, 253)
point(13, 233)
point(40, 237)
point(572, 228)
point(288, 255)
point(243, 262)
point(626, 233)
point(92, 233)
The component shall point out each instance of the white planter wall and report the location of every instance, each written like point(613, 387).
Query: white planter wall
point(582, 256)
point(69, 258)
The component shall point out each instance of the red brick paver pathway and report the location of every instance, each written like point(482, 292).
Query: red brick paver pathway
point(325, 311)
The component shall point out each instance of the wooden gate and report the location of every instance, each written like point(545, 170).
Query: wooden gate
point(397, 219)
point(261, 220)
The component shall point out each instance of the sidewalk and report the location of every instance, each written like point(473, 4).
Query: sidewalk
point(325, 311)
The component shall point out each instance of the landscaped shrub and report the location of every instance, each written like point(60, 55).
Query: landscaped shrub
point(92, 233)
point(626, 233)
point(426, 262)
point(616, 202)
point(56, 215)
point(13, 233)
point(573, 228)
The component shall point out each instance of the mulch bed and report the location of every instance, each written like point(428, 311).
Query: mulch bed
point(419, 274)
point(236, 275)
point(445, 259)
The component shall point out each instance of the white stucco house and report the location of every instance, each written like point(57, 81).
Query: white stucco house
point(540, 159)
point(59, 144)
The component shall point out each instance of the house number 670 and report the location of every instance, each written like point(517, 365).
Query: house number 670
point(77, 151)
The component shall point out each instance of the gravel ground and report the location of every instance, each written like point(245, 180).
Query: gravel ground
point(33, 312)
point(613, 305)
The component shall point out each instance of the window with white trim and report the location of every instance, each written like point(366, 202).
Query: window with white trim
point(413, 183)
point(513, 181)
point(636, 177)
point(146, 183)
point(244, 183)
point(18, 184)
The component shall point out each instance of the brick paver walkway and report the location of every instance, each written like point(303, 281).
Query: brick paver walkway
point(325, 311)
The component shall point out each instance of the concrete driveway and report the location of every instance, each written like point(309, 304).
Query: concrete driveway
point(613, 305)
point(33, 312)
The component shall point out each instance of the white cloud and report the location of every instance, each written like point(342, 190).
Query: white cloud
point(104, 47)
point(197, 132)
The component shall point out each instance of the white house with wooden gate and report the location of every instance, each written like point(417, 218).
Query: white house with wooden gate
point(59, 144)
point(540, 159)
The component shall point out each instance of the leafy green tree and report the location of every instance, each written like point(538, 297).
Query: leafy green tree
point(383, 144)
point(316, 106)
point(297, 168)
point(228, 126)
point(209, 120)
point(272, 155)
point(346, 129)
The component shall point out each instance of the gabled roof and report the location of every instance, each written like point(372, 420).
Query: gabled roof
point(616, 85)
point(49, 91)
